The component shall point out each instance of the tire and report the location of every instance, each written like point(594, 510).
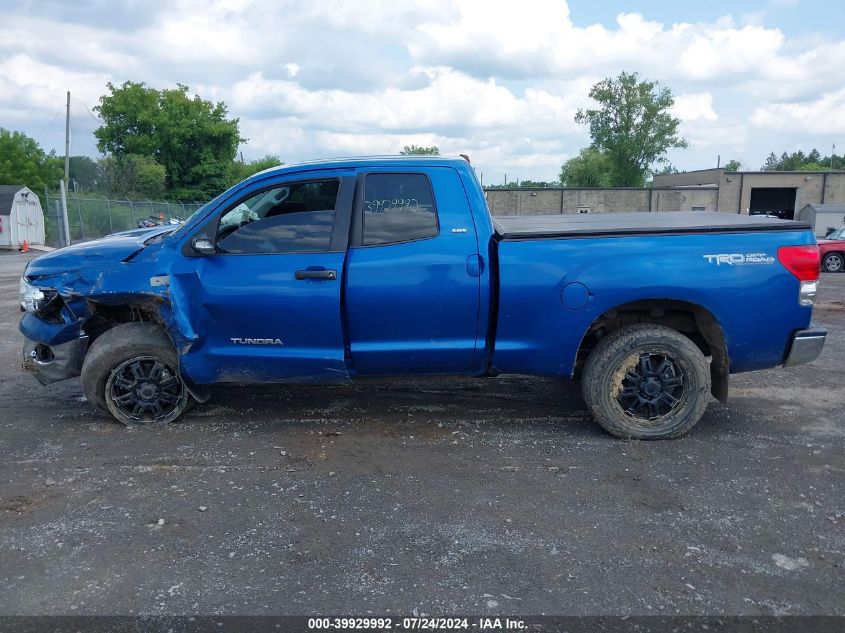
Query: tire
point(632, 394)
point(132, 372)
point(833, 263)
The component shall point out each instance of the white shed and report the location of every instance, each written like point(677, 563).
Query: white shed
point(823, 217)
point(21, 217)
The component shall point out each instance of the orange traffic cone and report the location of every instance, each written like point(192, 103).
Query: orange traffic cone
point(25, 247)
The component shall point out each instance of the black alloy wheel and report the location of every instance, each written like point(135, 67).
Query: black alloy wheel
point(653, 388)
point(145, 389)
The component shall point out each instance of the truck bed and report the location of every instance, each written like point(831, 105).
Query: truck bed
point(527, 227)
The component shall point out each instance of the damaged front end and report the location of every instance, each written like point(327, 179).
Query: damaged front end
point(54, 340)
point(52, 363)
point(73, 295)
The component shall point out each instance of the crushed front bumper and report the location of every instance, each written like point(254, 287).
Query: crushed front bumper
point(805, 347)
point(51, 363)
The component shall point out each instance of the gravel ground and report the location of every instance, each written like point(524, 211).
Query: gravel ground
point(440, 495)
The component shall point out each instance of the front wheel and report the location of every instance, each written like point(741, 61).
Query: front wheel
point(833, 263)
point(132, 372)
point(646, 382)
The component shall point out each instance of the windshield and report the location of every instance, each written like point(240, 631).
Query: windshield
point(838, 234)
point(187, 220)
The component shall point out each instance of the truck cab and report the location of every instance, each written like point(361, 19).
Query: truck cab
point(321, 275)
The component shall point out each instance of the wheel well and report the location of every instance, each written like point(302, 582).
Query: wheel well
point(106, 316)
point(691, 320)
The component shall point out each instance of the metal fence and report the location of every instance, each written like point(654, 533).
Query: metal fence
point(93, 217)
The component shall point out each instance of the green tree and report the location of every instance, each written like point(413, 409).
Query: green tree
point(799, 161)
point(23, 162)
point(793, 161)
point(538, 184)
point(813, 166)
point(632, 126)
point(241, 171)
point(590, 168)
point(132, 177)
point(82, 171)
point(771, 163)
point(733, 165)
point(192, 138)
point(419, 150)
point(530, 184)
point(668, 168)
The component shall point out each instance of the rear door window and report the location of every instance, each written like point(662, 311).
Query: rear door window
point(398, 208)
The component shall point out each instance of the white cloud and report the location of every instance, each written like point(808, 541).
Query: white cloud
point(35, 85)
point(689, 107)
point(825, 115)
point(450, 99)
point(720, 52)
point(498, 80)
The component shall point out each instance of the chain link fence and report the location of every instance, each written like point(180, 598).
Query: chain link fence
point(90, 217)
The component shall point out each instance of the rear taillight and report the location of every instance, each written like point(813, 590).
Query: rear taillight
point(803, 263)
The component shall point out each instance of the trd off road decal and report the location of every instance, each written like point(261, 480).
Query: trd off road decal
point(739, 259)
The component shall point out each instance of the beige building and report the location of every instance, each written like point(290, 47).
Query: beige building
point(570, 200)
point(781, 193)
point(778, 193)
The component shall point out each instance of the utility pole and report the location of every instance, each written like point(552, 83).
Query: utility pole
point(67, 141)
point(64, 182)
point(65, 223)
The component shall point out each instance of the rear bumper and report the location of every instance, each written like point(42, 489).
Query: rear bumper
point(805, 347)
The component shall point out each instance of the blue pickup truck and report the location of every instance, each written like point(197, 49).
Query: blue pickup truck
point(325, 271)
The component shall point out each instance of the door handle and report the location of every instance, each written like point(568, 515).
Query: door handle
point(329, 275)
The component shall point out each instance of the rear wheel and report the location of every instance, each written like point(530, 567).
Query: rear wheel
point(833, 262)
point(646, 382)
point(132, 372)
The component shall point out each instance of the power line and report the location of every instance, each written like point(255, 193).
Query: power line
point(86, 142)
point(45, 132)
point(87, 109)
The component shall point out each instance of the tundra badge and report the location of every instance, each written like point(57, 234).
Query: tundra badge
point(257, 341)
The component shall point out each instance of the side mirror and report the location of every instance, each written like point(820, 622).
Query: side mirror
point(203, 246)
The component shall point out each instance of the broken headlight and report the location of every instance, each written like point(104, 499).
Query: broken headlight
point(33, 298)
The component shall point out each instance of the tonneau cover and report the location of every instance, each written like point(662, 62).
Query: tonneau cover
point(636, 223)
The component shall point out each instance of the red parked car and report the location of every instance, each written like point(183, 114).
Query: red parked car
point(833, 251)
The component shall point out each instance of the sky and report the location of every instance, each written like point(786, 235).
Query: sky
point(498, 80)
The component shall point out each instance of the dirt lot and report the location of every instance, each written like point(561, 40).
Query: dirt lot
point(480, 496)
